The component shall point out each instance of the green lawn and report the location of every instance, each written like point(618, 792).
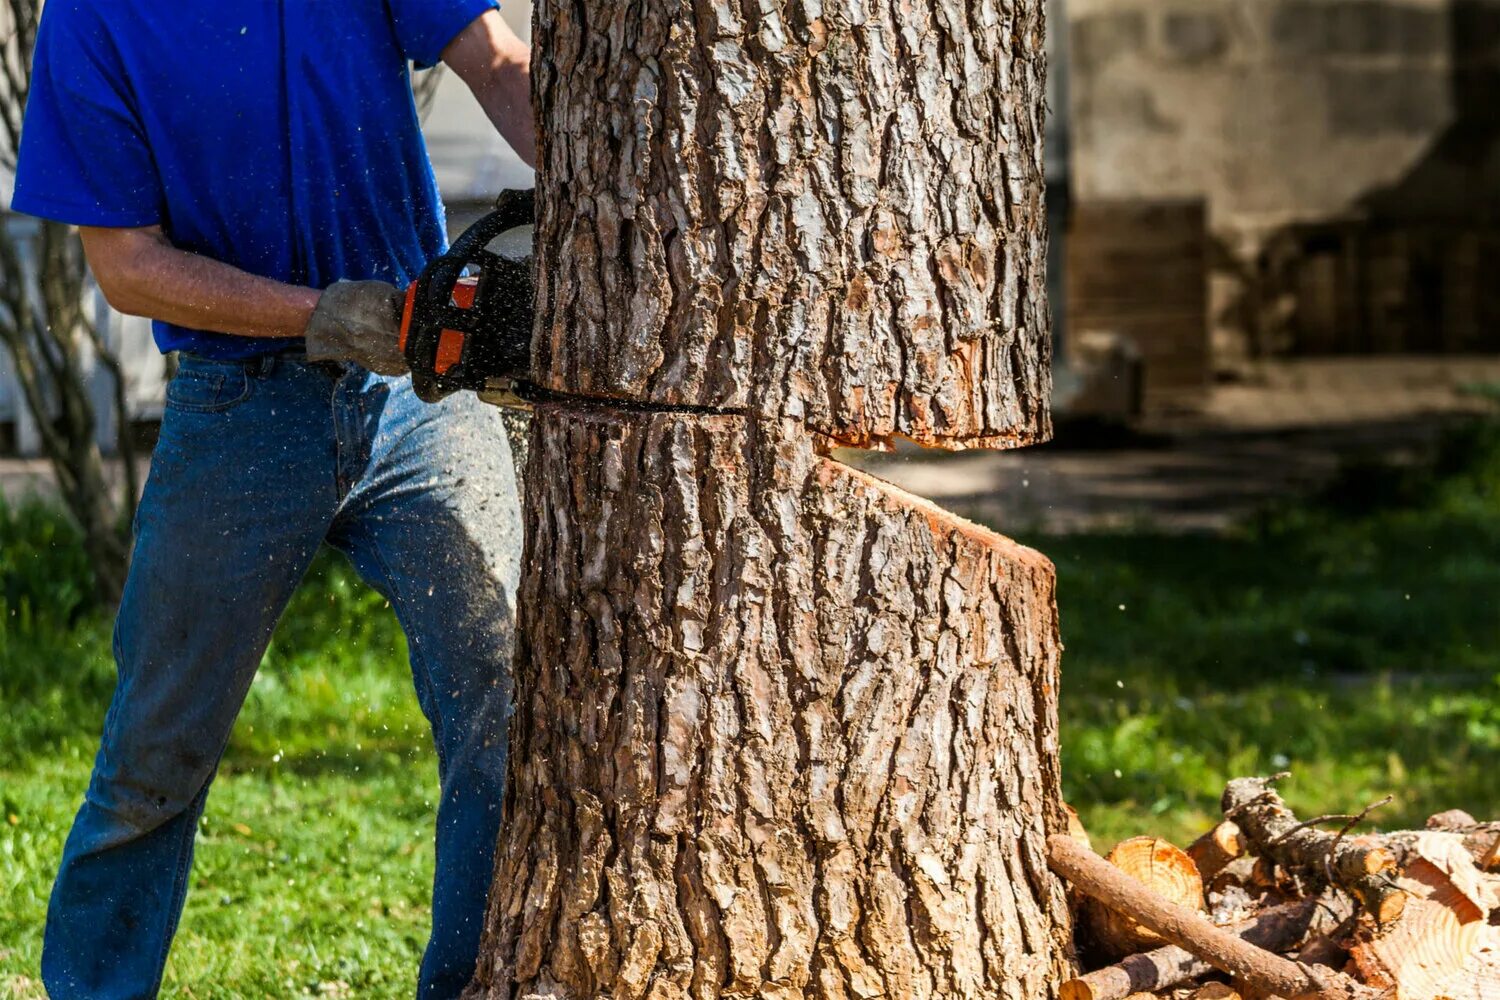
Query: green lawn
point(1354, 640)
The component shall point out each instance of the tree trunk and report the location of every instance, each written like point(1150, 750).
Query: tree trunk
point(831, 213)
point(782, 730)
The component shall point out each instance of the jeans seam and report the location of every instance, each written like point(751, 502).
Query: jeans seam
point(414, 650)
point(179, 886)
point(215, 407)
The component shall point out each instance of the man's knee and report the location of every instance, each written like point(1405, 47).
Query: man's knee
point(136, 790)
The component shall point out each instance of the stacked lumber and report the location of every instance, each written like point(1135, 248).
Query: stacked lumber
point(1266, 905)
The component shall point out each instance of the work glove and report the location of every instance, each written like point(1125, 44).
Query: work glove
point(358, 321)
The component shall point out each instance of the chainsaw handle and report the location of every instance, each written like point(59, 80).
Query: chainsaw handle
point(512, 209)
point(432, 323)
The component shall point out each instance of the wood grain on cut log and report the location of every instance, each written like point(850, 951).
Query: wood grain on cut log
point(782, 730)
point(1161, 867)
point(1443, 944)
point(1216, 848)
point(824, 212)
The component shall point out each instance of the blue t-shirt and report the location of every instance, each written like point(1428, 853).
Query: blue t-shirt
point(279, 136)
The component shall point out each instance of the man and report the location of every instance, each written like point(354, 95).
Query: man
point(250, 175)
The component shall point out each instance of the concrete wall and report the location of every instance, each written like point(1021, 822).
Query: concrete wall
point(1290, 115)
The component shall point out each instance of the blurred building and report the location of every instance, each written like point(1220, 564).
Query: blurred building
point(1325, 169)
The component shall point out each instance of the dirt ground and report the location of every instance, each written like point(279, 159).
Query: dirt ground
point(1279, 429)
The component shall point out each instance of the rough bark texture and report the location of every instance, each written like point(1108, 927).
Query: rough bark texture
point(783, 731)
point(824, 212)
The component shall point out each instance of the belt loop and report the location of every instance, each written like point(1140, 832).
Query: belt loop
point(265, 364)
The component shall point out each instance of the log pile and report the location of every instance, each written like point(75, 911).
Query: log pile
point(1266, 905)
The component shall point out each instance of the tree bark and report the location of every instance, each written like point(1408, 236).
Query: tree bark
point(782, 730)
point(826, 212)
point(785, 730)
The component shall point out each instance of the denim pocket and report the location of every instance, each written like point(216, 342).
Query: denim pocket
point(208, 388)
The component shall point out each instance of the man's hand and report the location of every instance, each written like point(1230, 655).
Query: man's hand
point(358, 321)
point(496, 64)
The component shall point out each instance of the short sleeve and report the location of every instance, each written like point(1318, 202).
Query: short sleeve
point(84, 158)
point(425, 27)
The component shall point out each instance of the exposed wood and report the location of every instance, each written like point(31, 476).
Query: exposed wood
point(1216, 991)
point(1357, 864)
point(782, 730)
point(1481, 840)
point(1489, 857)
point(1443, 945)
point(1216, 848)
point(1256, 967)
point(1159, 866)
point(825, 212)
point(1276, 930)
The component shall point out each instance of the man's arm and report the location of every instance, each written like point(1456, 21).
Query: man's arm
point(496, 65)
point(143, 274)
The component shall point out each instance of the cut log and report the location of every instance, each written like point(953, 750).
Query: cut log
point(1255, 967)
point(1358, 864)
point(1453, 820)
point(782, 730)
point(1443, 945)
point(1159, 866)
point(1275, 930)
point(1216, 848)
point(1481, 840)
point(821, 212)
point(1216, 991)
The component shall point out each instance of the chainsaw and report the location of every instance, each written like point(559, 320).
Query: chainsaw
point(468, 316)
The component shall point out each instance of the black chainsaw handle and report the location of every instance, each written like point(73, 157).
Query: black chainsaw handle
point(512, 209)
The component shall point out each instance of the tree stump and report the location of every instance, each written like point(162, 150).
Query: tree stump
point(782, 730)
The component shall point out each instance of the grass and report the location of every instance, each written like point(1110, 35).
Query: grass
point(1353, 638)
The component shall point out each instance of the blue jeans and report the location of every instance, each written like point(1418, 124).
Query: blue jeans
point(259, 462)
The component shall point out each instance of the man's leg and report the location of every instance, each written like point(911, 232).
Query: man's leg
point(240, 494)
point(435, 525)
